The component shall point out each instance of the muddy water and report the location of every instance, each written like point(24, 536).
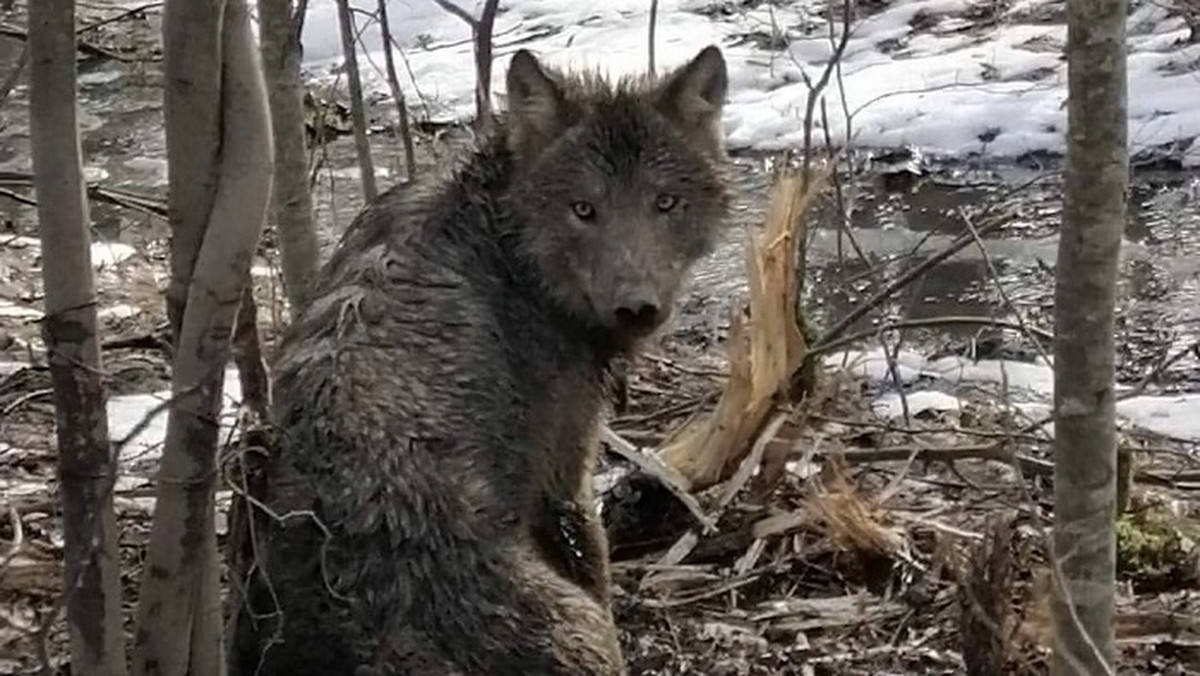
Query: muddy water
point(893, 228)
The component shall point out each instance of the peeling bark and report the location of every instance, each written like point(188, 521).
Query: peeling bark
point(86, 464)
point(1085, 446)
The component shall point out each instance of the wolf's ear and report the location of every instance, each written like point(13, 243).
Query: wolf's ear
point(693, 96)
point(537, 109)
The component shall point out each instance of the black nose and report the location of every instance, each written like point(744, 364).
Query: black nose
point(643, 317)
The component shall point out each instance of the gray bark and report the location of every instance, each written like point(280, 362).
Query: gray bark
point(483, 66)
point(481, 35)
point(191, 102)
point(357, 115)
point(1085, 293)
point(279, 31)
point(389, 61)
point(86, 464)
point(179, 612)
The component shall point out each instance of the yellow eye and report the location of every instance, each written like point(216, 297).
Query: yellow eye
point(584, 211)
point(666, 202)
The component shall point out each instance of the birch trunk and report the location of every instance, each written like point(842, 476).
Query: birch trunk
point(86, 465)
point(179, 619)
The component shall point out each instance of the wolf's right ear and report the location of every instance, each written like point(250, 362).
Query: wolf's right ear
point(536, 107)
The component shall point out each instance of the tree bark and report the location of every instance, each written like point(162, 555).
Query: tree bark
point(247, 354)
point(192, 105)
point(86, 463)
point(279, 31)
point(357, 115)
point(389, 60)
point(481, 35)
point(179, 613)
point(483, 66)
point(1085, 447)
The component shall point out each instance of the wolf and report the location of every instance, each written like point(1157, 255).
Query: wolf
point(429, 508)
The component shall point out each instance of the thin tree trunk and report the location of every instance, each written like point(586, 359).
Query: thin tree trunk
point(653, 27)
point(86, 464)
point(279, 32)
point(481, 35)
point(483, 66)
point(389, 60)
point(1085, 467)
point(191, 105)
point(179, 613)
point(357, 114)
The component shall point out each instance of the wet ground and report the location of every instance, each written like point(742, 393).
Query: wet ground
point(895, 218)
point(895, 221)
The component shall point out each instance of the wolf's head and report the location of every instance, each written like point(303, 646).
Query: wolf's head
point(619, 186)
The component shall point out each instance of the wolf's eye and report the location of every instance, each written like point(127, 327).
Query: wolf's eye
point(666, 202)
point(584, 211)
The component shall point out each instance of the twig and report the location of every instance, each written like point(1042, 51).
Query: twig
point(14, 75)
point(815, 89)
point(1166, 363)
point(931, 322)
point(18, 539)
point(649, 464)
point(121, 16)
point(688, 541)
point(84, 47)
point(962, 242)
point(457, 11)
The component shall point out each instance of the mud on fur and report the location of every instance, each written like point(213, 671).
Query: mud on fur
point(438, 402)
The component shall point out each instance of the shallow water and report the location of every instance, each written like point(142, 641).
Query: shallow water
point(897, 228)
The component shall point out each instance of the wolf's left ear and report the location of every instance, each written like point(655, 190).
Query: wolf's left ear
point(693, 97)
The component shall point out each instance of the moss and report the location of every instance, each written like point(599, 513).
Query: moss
point(1156, 549)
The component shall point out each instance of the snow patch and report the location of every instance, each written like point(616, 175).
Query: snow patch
point(1029, 387)
point(110, 254)
point(140, 420)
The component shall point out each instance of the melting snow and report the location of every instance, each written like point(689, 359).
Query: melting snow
point(1029, 387)
point(937, 74)
point(126, 413)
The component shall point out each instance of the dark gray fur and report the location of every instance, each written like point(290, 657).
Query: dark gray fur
point(438, 402)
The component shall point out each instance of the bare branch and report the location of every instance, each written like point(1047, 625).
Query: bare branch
point(458, 12)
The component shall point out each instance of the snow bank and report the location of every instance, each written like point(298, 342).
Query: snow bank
point(942, 75)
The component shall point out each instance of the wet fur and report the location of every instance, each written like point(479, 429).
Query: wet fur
point(438, 402)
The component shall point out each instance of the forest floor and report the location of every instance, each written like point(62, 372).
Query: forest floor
point(878, 529)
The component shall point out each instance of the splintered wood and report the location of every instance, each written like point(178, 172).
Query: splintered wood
point(765, 344)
